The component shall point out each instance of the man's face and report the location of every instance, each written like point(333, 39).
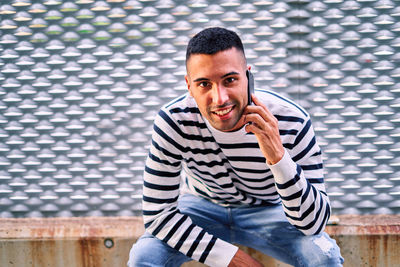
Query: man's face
point(218, 83)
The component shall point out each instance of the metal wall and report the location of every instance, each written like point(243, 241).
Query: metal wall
point(81, 81)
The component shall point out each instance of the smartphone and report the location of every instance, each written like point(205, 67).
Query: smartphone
point(250, 86)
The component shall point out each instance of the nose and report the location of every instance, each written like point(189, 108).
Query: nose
point(220, 95)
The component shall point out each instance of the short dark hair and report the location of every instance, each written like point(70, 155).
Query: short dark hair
point(213, 40)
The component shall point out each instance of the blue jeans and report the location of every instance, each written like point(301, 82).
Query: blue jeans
point(265, 229)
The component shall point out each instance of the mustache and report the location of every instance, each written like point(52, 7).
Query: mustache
point(227, 104)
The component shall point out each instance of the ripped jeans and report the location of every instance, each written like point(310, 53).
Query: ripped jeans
point(265, 229)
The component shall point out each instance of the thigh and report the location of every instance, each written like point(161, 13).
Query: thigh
point(149, 251)
point(211, 217)
point(267, 230)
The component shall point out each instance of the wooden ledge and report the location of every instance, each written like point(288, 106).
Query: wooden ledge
point(132, 227)
point(365, 225)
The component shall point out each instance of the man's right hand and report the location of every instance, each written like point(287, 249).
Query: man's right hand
point(242, 259)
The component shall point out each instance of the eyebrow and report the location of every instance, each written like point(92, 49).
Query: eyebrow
point(230, 73)
point(223, 76)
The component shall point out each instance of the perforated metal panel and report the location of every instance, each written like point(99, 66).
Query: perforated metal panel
point(81, 81)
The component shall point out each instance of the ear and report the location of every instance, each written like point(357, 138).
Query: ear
point(188, 84)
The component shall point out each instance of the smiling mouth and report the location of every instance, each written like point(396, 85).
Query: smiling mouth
point(223, 112)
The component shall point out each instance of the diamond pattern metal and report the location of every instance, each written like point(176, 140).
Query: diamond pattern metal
point(81, 81)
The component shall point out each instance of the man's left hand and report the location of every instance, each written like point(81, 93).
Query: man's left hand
point(264, 126)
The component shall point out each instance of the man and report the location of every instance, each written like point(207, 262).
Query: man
point(222, 172)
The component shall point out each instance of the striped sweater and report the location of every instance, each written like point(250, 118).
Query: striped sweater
point(188, 154)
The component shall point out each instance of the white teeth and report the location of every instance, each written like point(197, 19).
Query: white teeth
point(223, 112)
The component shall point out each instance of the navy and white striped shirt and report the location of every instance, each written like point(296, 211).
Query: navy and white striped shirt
point(188, 154)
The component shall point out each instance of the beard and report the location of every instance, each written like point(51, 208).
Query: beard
point(228, 122)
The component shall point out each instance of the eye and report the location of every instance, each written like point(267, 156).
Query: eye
point(204, 84)
point(230, 80)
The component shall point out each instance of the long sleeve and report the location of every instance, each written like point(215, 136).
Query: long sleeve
point(299, 182)
point(160, 195)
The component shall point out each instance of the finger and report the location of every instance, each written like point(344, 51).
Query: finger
point(258, 121)
point(256, 101)
point(263, 112)
point(252, 128)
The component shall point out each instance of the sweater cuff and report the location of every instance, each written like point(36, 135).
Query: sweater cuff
point(221, 254)
point(283, 169)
